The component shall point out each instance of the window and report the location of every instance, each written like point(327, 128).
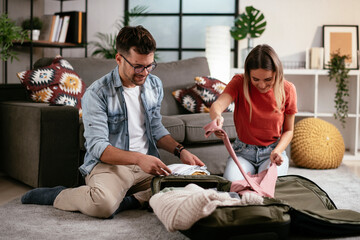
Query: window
point(179, 26)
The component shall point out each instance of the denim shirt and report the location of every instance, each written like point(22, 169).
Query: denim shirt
point(105, 117)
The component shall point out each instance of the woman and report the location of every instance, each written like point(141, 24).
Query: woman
point(265, 107)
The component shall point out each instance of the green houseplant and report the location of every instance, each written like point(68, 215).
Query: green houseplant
point(250, 24)
point(339, 72)
point(106, 44)
point(35, 29)
point(9, 33)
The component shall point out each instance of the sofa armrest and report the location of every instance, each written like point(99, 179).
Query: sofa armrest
point(39, 143)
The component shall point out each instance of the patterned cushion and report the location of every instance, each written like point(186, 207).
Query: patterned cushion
point(190, 100)
point(57, 84)
point(209, 89)
point(200, 97)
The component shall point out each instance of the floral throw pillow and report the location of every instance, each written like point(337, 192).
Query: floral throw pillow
point(209, 89)
point(57, 84)
point(190, 100)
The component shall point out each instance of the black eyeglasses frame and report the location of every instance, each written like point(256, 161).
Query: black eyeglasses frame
point(141, 68)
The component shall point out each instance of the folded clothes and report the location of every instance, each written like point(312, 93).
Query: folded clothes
point(179, 209)
point(185, 169)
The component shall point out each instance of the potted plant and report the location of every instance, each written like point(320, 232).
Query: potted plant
point(339, 72)
point(250, 24)
point(34, 28)
point(9, 33)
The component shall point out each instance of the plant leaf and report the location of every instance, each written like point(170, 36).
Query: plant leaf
point(249, 24)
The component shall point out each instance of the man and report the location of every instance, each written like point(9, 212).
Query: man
point(122, 121)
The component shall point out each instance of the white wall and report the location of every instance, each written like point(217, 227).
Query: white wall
point(292, 25)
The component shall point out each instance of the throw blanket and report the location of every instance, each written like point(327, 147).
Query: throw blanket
point(262, 183)
point(179, 209)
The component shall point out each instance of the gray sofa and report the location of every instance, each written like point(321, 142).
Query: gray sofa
point(43, 145)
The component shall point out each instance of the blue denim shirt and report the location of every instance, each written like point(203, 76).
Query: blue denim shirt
point(105, 117)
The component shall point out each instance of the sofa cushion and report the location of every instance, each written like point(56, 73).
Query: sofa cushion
point(194, 123)
point(209, 89)
point(175, 126)
point(176, 75)
point(91, 69)
point(190, 100)
point(56, 83)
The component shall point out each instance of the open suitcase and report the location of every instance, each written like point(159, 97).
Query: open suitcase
point(299, 206)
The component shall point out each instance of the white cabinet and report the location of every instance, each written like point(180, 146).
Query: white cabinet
point(316, 99)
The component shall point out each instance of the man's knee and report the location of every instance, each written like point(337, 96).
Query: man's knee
point(103, 204)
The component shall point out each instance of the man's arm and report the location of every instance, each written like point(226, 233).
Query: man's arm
point(169, 144)
point(148, 163)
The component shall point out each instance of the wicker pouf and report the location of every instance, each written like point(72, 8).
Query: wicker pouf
point(317, 144)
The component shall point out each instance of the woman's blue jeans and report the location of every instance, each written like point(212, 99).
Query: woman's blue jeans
point(253, 159)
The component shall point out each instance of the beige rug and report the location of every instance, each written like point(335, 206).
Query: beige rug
point(19, 221)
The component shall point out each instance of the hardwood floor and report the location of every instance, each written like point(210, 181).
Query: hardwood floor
point(11, 189)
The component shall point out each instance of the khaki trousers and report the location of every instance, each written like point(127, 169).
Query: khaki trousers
point(106, 186)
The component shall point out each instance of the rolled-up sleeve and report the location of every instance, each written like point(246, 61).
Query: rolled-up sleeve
point(95, 123)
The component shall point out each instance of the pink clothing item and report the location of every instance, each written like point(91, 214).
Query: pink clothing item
point(262, 183)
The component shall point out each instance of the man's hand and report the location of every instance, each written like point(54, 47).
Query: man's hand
point(153, 165)
point(276, 158)
point(188, 158)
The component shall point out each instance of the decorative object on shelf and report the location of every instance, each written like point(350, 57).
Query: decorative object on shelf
point(339, 72)
point(250, 24)
point(217, 51)
point(9, 33)
point(32, 28)
point(342, 38)
point(317, 144)
point(316, 58)
point(106, 44)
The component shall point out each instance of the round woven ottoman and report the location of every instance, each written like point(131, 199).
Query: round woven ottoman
point(317, 144)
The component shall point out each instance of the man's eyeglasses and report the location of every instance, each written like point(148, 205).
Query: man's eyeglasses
point(140, 68)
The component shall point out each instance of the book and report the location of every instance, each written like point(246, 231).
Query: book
point(64, 29)
point(58, 29)
point(54, 27)
point(76, 32)
point(53, 18)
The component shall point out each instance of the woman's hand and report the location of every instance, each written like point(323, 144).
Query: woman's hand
point(276, 158)
point(219, 122)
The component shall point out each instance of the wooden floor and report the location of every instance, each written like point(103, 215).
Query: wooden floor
point(11, 189)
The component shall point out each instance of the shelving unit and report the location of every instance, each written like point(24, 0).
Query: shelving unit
point(45, 44)
point(316, 99)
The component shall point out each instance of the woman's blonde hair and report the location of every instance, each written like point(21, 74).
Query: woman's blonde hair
point(264, 57)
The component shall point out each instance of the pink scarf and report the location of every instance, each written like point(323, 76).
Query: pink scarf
point(262, 183)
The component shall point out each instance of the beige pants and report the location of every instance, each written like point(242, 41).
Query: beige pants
point(105, 188)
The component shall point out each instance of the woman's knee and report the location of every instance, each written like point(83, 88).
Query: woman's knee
point(232, 171)
point(284, 167)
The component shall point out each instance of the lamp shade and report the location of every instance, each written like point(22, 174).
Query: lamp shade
point(217, 51)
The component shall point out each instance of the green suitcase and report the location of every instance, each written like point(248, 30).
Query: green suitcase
point(299, 207)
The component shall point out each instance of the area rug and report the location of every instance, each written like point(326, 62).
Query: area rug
point(45, 222)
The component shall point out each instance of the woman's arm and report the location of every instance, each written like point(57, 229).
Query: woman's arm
point(216, 110)
point(285, 139)
point(218, 107)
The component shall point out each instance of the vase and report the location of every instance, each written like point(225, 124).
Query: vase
point(245, 52)
point(35, 34)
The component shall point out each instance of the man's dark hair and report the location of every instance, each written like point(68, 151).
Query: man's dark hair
point(137, 37)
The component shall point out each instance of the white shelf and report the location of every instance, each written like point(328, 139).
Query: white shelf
point(316, 99)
